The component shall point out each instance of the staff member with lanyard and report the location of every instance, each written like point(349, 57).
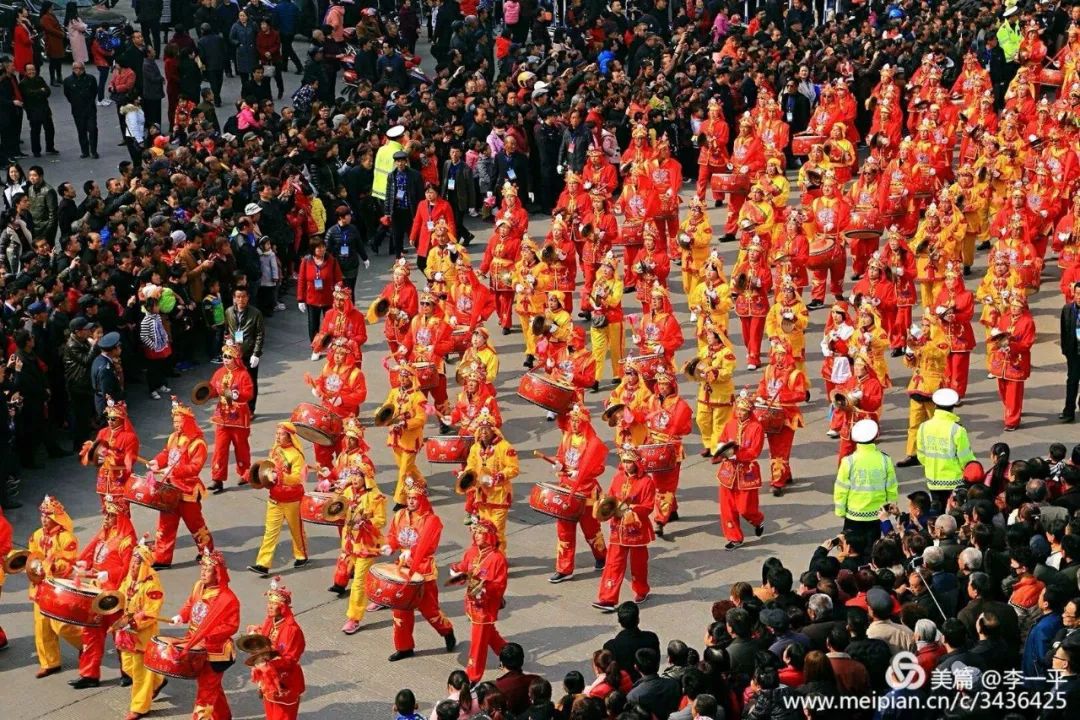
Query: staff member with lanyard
point(244, 324)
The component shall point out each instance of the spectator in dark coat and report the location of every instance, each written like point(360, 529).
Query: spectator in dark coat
point(512, 166)
point(153, 89)
point(149, 14)
point(656, 694)
point(81, 92)
point(404, 189)
point(631, 638)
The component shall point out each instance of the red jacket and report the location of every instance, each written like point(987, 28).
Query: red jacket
point(483, 604)
point(639, 494)
point(582, 466)
point(315, 284)
point(424, 221)
point(268, 46)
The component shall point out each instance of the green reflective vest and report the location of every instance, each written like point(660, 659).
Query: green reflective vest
point(943, 449)
point(865, 481)
point(1009, 38)
point(384, 165)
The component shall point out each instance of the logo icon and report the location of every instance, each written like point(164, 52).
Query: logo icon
point(905, 672)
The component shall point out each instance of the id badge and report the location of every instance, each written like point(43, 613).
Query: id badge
point(238, 336)
point(1078, 333)
point(400, 194)
point(511, 174)
point(790, 117)
point(344, 251)
point(570, 148)
point(451, 184)
point(318, 283)
point(430, 225)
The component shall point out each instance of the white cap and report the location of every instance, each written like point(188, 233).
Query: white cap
point(946, 398)
point(395, 132)
point(540, 85)
point(252, 209)
point(178, 236)
point(1010, 11)
point(864, 431)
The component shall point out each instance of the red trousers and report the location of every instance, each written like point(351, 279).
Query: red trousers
point(833, 274)
point(704, 179)
point(846, 448)
point(324, 454)
point(404, 620)
point(753, 331)
point(1011, 393)
point(277, 711)
point(630, 254)
point(483, 637)
point(504, 307)
point(223, 438)
point(667, 229)
point(210, 700)
point(438, 394)
point(93, 647)
point(736, 504)
point(861, 250)
point(612, 579)
point(779, 454)
point(957, 372)
point(735, 203)
point(901, 325)
point(165, 538)
point(667, 483)
point(566, 532)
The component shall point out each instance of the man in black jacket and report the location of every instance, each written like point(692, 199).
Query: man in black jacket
point(403, 191)
point(631, 638)
point(574, 146)
point(11, 110)
point(1070, 348)
point(548, 141)
point(512, 167)
point(77, 357)
point(81, 91)
point(35, 93)
point(345, 243)
point(245, 325)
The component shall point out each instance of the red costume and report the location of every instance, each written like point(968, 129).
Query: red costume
point(748, 159)
point(276, 671)
point(739, 474)
point(668, 419)
point(498, 264)
point(712, 138)
point(751, 284)
point(484, 571)
point(427, 342)
point(114, 450)
point(403, 304)
point(783, 385)
point(342, 320)
point(180, 463)
point(955, 305)
point(829, 217)
point(341, 388)
point(428, 212)
point(580, 463)
point(631, 496)
point(1010, 357)
point(231, 384)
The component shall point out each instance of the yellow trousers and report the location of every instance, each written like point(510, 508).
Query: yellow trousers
point(919, 411)
point(406, 467)
point(497, 517)
point(968, 250)
point(143, 682)
point(929, 291)
point(690, 281)
point(530, 339)
point(276, 513)
point(357, 592)
point(47, 634)
point(608, 340)
point(711, 420)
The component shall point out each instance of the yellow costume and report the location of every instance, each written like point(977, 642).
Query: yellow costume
point(361, 538)
point(285, 496)
point(715, 371)
point(496, 466)
point(406, 428)
point(606, 299)
point(788, 318)
point(143, 597)
point(695, 240)
point(56, 551)
point(485, 357)
point(927, 361)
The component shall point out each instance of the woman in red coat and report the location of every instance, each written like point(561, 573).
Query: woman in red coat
point(268, 48)
point(171, 63)
point(22, 41)
point(318, 275)
point(428, 213)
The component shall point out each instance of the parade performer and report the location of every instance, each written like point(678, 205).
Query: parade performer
point(513, 212)
point(875, 288)
point(557, 328)
point(836, 348)
point(955, 305)
point(469, 305)
point(695, 242)
point(829, 217)
point(757, 216)
point(653, 265)
point(927, 354)
point(531, 283)
point(659, 330)
point(104, 561)
point(783, 385)
point(712, 139)
point(667, 178)
point(788, 318)
point(476, 395)
point(579, 463)
point(490, 470)
point(415, 531)
point(710, 303)
point(283, 505)
point(668, 420)
point(634, 396)
point(6, 539)
point(231, 385)
point(407, 418)
point(401, 301)
point(276, 671)
point(143, 598)
point(598, 172)
point(639, 205)
point(747, 160)
point(428, 341)
point(864, 196)
point(573, 206)
point(751, 283)
point(632, 495)
point(498, 264)
point(974, 197)
point(741, 442)
point(1011, 340)
point(900, 261)
point(342, 320)
point(574, 366)
point(559, 256)
point(997, 286)
point(53, 550)
point(114, 450)
point(713, 370)
point(859, 398)
point(598, 230)
point(212, 614)
point(604, 306)
point(341, 388)
point(484, 571)
point(179, 463)
point(871, 341)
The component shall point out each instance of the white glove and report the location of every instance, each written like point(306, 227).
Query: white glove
point(867, 337)
point(386, 550)
point(1042, 213)
point(153, 465)
point(857, 395)
point(829, 227)
point(788, 315)
point(553, 329)
point(176, 620)
point(452, 319)
point(636, 339)
point(933, 172)
point(898, 271)
point(253, 361)
point(744, 170)
point(301, 307)
point(1032, 138)
point(315, 392)
point(826, 352)
point(588, 186)
point(367, 264)
point(559, 169)
point(939, 310)
point(757, 282)
point(102, 576)
point(235, 395)
point(406, 555)
point(519, 288)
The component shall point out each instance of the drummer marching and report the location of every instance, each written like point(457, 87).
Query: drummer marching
point(143, 597)
point(487, 480)
point(579, 463)
point(341, 388)
point(53, 550)
point(667, 419)
point(629, 502)
point(114, 450)
point(275, 669)
point(231, 384)
point(288, 469)
point(484, 571)
point(342, 320)
point(405, 414)
point(741, 442)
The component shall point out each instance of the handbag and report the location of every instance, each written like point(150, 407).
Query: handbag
point(269, 70)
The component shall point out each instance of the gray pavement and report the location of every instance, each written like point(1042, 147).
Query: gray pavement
point(349, 676)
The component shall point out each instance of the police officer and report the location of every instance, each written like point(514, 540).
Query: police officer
point(943, 448)
point(865, 483)
point(106, 373)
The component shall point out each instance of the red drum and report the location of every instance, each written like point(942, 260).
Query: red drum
point(802, 144)
point(539, 389)
point(427, 375)
point(865, 224)
point(557, 501)
point(669, 206)
point(61, 599)
point(387, 586)
point(448, 449)
point(313, 506)
point(155, 494)
point(165, 655)
point(647, 365)
point(460, 338)
point(502, 281)
point(1050, 76)
point(316, 424)
point(730, 182)
point(630, 234)
point(660, 457)
point(823, 252)
point(771, 417)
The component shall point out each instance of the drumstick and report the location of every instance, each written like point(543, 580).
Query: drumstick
point(545, 458)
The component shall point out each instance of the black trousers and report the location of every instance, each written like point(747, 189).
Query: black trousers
point(56, 70)
point(288, 53)
point(459, 222)
point(314, 320)
point(82, 418)
point(152, 113)
point(151, 30)
point(85, 129)
point(254, 373)
point(216, 78)
point(400, 225)
point(10, 130)
point(1072, 383)
point(38, 121)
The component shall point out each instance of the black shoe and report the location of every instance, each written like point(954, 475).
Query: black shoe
point(984, 245)
point(11, 505)
point(585, 315)
point(631, 289)
point(338, 590)
point(604, 607)
point(706, 453)
point(718, 203)
point(161, 566)
point(595, 387)
point(217, 488)
point(451, 641)
point(84, 682)
point(398, 506)
point(401, 655)
point(897, 352)
point(759, 530)
point(506, 331)
point(673, 516)
point(38, 154)
point(529, 361)
point(909, 461)
point(259, 570)
point(52, 151)
point(659, 530)
point(125, 680)
point(967, 270)
point(599, 564)
point(300, 563)
point(732, 545)
point(777, 491)
point(83, 156)
point(728, 237)
point(856, 276)
point(95, 156)
point(1065, 420)
point(815, 304)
